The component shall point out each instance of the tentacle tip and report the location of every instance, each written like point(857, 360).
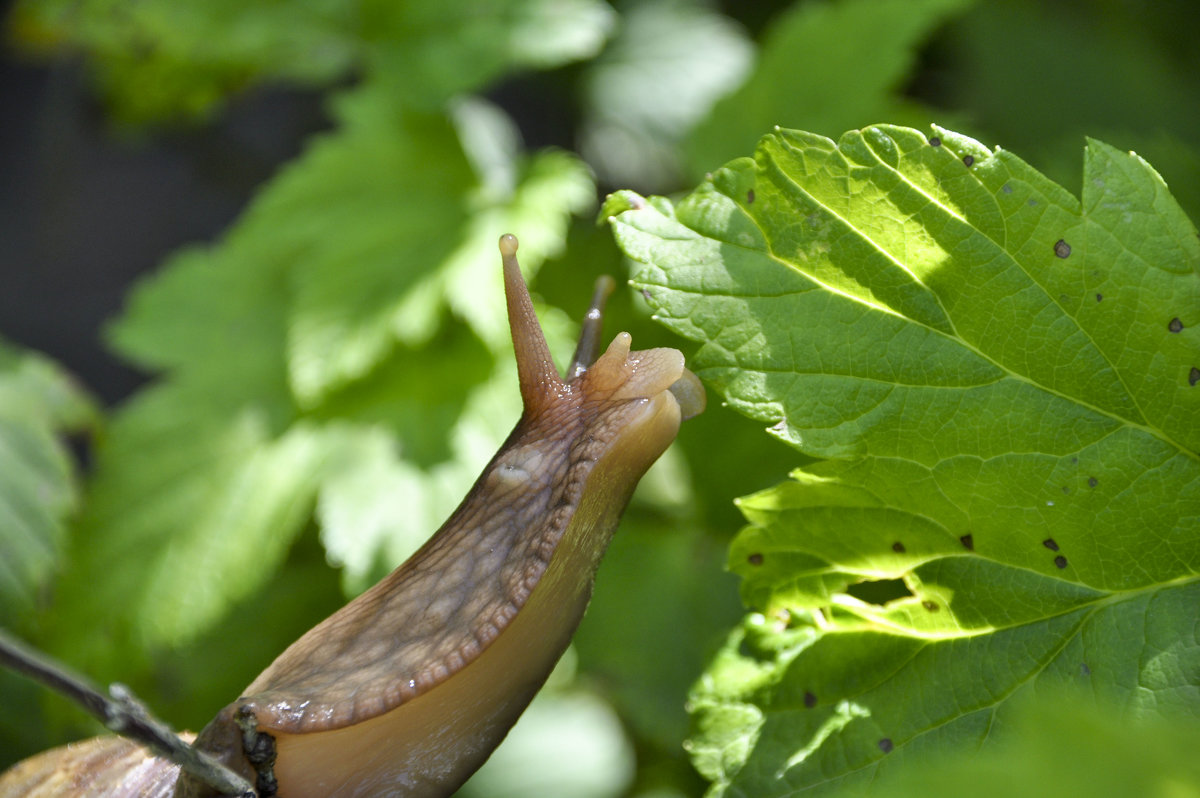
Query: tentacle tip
point(508, 245)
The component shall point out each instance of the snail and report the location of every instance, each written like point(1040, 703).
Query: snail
point(408, 688)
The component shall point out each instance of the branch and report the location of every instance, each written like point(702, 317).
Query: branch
point(122, 713)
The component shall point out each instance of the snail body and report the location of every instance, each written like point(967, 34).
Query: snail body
point(408, 688)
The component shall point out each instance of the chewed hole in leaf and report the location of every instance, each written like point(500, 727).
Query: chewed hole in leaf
point(1175, 325)
point(1060, 561)
point(755, 559)
point(1062, 249)
point(810, 700)
point(898, 547)
point(967, 541)
point(969, 160)
point(1050, 544)
point(879, 591)
point(886, 745)
point(1193, 376)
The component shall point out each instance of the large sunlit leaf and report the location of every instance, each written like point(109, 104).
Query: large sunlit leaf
point(1005, 381)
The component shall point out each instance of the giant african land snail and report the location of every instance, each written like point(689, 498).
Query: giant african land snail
point(408, 688)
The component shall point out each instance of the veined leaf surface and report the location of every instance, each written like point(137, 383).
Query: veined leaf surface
point(1003, 383)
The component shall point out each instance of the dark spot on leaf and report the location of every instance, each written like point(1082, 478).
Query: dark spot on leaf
point(1060, 561)
point(885, 745)
point(1031, 203)
point(930, 605)
point(755, 559)
point(1175, 325)
point(1093, 482)
point(810, 700)
point(1074, 460)
point(1050, 544)
point(750, 197)
point(1084, 670)
point(968, 542)
point(898, 547)
point(969, 160)
point(1099, 297)
point(1193, 376)
point(1062, 249)
point(1006, 188)
point(1066, 489)
point(1063, 298)
point(934, 141)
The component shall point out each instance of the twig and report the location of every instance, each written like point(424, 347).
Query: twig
point(123, 713)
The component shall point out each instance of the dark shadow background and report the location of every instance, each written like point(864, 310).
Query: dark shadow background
point(84, 209)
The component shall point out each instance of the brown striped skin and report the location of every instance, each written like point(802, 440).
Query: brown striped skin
point(97, 766)
point(406, 690)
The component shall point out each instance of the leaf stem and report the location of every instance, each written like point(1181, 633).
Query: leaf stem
point(122, 712)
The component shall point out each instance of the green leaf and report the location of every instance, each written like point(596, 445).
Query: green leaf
point(187, 515)
point(362, 218)
point(159, 59)
point(305, 353)
point(38, 490)
point(1003, 380)
point(1067, 746)
point(430, 52)
point(657, 79)
point(824, 67)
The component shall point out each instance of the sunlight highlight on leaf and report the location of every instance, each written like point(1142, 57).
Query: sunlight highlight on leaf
point(987, 365)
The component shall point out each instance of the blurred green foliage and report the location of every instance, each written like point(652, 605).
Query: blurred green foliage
point(334, 371)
